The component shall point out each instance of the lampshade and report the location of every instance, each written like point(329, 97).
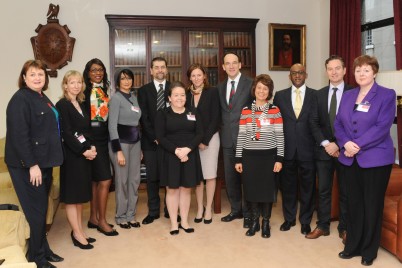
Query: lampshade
point(391, 79)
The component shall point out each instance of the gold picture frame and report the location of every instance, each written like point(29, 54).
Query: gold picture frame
point(287, 46)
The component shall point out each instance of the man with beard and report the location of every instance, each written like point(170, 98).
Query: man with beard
point(152, 97)
point(286, 53)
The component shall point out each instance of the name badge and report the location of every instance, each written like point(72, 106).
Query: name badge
point(265, 121)
point(363, 107)
point(191, 117)
point(80, 137)
point(135, 109)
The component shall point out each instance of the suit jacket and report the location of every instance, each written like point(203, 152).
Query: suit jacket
point(147, 95)
point(231, 117)
point(73, 122)
point(297, 131)
point(209, 110)
point(369, 130)
point(320, 123)
point(32, 131)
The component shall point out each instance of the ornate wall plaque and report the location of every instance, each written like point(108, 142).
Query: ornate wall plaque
point(53, 45)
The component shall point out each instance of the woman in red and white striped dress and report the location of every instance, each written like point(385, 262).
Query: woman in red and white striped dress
point(259, 152)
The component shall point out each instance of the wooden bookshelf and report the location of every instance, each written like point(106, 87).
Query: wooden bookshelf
point(135, 40)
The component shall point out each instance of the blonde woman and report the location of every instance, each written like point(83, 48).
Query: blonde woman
point(75, 173)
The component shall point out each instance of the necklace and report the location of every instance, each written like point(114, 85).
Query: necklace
point(255, 134)
point(196, 91)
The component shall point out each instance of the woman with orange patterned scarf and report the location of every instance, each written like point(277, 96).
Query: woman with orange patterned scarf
point(96, 102)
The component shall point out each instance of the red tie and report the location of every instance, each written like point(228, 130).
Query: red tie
point(232, 92)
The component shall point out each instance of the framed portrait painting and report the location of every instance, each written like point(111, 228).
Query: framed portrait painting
point(287, 46)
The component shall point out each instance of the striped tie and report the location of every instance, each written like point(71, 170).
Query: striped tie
point(160, 102)
point(232, 92)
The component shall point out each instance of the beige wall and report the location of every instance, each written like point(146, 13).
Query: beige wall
point(86, 20)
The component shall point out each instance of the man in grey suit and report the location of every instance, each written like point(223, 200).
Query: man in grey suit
point(322, 119)
point(234, 94)
point(298, 165)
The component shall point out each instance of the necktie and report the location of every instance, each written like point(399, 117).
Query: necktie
point(232, 92)
point(298, 103)
point(332, 109)
point(160, 98)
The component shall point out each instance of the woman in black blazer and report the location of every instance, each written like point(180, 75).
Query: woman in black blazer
point(75, 173)
point(205, 99)
point(33, 148)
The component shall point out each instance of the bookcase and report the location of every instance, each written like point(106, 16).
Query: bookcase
point(135, 40)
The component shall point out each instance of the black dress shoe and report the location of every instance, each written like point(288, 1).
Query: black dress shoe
point(345, 255)
point(198, 220)
point(111, 233)
point(91, 240)
point(46, 265)
point(94, 226)
point(124, 225)
point(247, 222)
point(305, 229)
point(265, 229)
point(208, 221)
point(149, 219)
point(367, 262)
point(231, 217)
point(135, 224)
point(287, 225)
point(188, 230)
point(54, 258)
point(254, 227)
point(174, 232)
point(78, 243)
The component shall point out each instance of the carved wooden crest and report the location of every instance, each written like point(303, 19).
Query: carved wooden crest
point(53, 45)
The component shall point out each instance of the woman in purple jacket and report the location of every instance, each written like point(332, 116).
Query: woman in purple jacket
point(362, 129)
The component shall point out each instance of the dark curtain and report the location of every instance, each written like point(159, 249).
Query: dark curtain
point(398, 29)
point(345, 34)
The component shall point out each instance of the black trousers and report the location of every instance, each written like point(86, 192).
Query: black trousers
point(325, 172)
point(365, 192)
point(34, 202)
point(233, 184)
point(151, 163)
point(298, 173)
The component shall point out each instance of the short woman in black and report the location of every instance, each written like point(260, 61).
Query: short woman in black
point(75, 173)
point(179, 132)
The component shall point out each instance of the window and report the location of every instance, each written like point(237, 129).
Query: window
point(378, 36)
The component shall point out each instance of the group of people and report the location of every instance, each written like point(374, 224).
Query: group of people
point(286, 144)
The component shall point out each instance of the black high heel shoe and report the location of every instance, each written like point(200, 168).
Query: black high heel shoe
point(198, 220)
point(91, 240)
point(78, 244)
point(188, 230)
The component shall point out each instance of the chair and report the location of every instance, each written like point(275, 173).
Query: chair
point(391, 233)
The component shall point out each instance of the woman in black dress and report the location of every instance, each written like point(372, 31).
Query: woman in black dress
point(75, 173)
point(96, 105)
point(179, 132)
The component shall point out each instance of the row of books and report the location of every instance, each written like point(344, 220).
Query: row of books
point(172, 57)
point(203, 39)
point(206, 57)
point(236, 39)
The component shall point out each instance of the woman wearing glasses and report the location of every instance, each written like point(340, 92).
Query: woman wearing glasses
point(96, 104)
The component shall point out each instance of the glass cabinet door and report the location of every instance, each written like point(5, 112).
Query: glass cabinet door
point(204, 49)
point(241, 44)
point(168, 44)
point(130, 53)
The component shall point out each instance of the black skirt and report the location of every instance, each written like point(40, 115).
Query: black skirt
point(260, 183)
point(174, 173)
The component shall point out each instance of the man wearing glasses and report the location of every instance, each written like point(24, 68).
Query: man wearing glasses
point(298, 167)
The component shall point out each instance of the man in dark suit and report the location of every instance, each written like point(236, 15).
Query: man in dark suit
point(326, 149)
point(151, 98)
point(234, 94)
point(298, 166)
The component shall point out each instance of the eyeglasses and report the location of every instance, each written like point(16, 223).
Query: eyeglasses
point(100, 70)
point(297, 73)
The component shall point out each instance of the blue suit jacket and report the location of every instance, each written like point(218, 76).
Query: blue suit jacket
point(369, 130)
